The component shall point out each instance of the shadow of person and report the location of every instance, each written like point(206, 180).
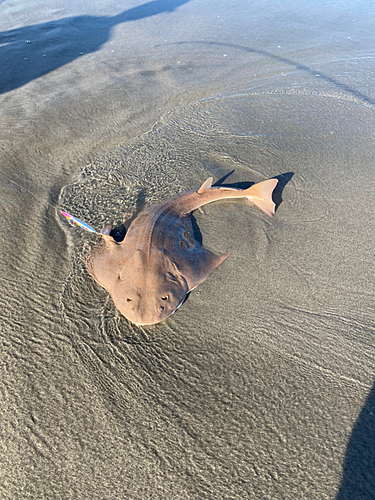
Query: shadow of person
point(358, 481)
point(32, 51)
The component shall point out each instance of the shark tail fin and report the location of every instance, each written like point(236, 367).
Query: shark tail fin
point(261, 195)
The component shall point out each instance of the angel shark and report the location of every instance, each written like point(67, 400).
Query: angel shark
point(151, 271)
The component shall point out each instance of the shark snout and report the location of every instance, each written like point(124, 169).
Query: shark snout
point(151, 303)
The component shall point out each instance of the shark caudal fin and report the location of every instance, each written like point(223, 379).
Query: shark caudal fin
point(261, 195)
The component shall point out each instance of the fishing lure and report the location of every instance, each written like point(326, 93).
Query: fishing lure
point(79, 222)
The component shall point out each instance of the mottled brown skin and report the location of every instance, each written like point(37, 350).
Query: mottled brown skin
point(151, 271)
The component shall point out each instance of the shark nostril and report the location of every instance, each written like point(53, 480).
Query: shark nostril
point(165, 297)
point(128, 300)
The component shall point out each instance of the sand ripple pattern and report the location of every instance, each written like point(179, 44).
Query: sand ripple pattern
point(188, 400)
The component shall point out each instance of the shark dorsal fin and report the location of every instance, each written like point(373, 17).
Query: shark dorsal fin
point(205, 186)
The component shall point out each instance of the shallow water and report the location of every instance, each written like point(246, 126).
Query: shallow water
point(259, 386)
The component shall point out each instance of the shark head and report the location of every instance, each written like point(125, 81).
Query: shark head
point(147, 294)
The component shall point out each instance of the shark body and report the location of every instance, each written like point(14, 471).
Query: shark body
point(151, 271)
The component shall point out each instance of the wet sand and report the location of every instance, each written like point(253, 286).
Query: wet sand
point(261, 384)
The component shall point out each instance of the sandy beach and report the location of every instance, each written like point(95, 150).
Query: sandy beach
point(261, 385)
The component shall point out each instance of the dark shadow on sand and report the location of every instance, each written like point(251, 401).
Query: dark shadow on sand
point(358, 481)
point(33, 51)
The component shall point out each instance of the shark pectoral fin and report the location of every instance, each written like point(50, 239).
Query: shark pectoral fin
point(105, 261)
point(261, 195)
point(202, 267)
point(205, 186)
point(100, 265)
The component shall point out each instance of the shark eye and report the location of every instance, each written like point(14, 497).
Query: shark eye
point(165, 297)
point(128, 299)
